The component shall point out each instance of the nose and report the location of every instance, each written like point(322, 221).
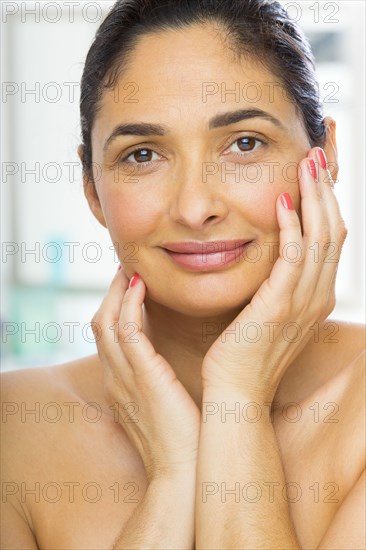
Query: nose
point(197, 201)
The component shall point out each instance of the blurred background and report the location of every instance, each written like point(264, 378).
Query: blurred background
point(57, 261)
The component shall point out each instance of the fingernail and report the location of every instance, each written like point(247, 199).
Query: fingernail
point(321, 158)
point(312, 168)
point(286, 201)
point(119, 267)
point(134, 279)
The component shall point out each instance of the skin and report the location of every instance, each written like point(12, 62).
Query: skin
point(170, 371)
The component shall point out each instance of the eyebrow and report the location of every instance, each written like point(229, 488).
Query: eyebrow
point(218, 121)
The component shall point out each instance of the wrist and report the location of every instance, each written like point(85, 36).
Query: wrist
point(174, 485)
point(245, 405)
point(171, 475)
point(231, 390)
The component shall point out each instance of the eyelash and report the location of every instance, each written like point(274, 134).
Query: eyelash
point(144, 165)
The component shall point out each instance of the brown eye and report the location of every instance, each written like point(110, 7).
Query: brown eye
point(246, 143)
point(142, 155)
point(140, 158)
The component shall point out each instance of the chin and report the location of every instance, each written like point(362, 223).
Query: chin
point(204, 300)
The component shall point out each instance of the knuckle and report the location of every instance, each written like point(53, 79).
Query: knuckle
point(98, 325)
point(328, 309)
point(95, 322)
point(96, 330)
point(342, 232)
point(331, 303)
point(96, 316)
point(319, 310)
point(329, 306)
point(98, 321)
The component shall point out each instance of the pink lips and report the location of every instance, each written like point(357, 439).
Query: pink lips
point(210, 255)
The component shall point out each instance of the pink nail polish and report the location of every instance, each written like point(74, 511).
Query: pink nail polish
point(134, 279)
point(321, 158)
point(119, 267)
point(286, 201)
point(312, 168)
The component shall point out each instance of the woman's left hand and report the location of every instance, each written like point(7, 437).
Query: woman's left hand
point(254, 351)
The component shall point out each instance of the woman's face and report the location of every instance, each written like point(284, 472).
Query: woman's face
point(195, 180)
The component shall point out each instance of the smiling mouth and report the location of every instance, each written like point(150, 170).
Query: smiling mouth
point(209, 257)
point(204, 247)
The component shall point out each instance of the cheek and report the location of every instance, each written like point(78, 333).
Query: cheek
point(129, 217)
point(258, 205)
point(262, 196)
point(258, 191)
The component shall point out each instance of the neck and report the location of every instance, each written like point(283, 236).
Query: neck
point(183, 341)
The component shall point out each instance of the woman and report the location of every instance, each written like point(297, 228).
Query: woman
point(222, 410)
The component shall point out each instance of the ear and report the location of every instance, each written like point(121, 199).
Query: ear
point(90, 193)
point(330, 147)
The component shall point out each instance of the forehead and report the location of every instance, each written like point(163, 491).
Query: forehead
point(189, 74)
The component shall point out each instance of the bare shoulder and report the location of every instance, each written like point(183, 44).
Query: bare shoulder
point(80, 379)
point(337, 343)
point(44, 404)
point(340, 358)
point(322, 438)
point(333, 346)
point(328, 381)
point(351, 335)
point(24, 394)
point(340, 350)
point(32, 399)
point(339, 435)
point(41, 378)
point(59, 435)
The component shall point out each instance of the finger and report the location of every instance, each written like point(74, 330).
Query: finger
point(111, 305)
point(295, 268)
point(287, 269)
point(328, 248)
point(109, 310)
point(137, 348)
point(316, 228)
point(332, 210)
point(106, 318)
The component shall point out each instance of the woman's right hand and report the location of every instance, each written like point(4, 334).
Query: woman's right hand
point(166, 423)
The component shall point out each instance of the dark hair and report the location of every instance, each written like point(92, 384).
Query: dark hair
point(259, 28)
